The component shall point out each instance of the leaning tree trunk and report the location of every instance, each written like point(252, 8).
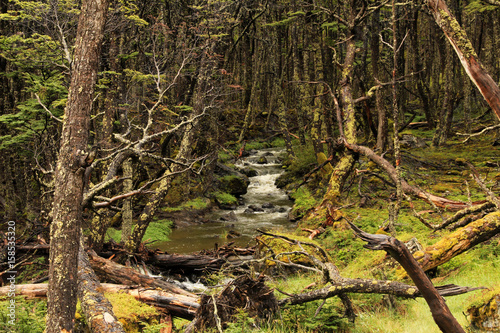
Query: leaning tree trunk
point(465, 51)
point(69, 177)
point(442, 315)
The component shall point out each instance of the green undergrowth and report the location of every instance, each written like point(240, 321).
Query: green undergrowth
point(157, 231)
point(442, 171)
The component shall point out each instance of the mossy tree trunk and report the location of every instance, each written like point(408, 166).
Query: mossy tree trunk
point(459, 241)
point(347, 124)
point(69, 177)
point(465, 51)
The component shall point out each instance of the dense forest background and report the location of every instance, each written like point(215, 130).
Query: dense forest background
point(185, 85)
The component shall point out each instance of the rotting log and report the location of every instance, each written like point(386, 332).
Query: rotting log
point(407, 188)
point(115, 272)
point(97, 309)
point(459, 241)
point(178, 305)
point(442, 315)
point(465, 51)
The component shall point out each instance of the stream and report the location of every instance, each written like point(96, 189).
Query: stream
point(264, 206)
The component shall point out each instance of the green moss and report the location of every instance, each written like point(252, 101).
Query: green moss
point(224, 198)
point(157, 231)
point(303, 201)
point(131, 312)
point(30, 315)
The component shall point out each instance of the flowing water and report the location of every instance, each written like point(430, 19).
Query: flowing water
point(244, 220)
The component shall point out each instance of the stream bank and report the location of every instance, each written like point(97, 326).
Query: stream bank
point(264, 206)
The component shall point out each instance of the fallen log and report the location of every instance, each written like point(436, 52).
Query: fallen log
point(117, 273)
point(186, 263)
point(442, 315)
point(97, 309)
point(370, 286)
point(459, 241)
point(179, 305)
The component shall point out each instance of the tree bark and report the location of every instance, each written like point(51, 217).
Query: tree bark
point(128, 276)
point(69, 176)
point(440, 312)
point(97, 309)
point(465, 51)
point(460, 241)
point(179, 305)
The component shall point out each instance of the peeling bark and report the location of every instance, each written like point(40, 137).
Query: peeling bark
point(465, 51)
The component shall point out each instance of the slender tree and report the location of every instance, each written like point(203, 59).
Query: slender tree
point(69, 177)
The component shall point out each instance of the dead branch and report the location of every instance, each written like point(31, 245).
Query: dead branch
point(440, 311)
point(407, 188)
point(179, 305)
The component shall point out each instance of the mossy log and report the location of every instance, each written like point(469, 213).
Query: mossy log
point(115, 272)
point(459, 241)
point(178, 305)
point(97, 309)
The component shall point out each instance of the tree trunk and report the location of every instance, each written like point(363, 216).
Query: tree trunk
point(344, 166)
point(440, 311)
point(69, 176)
point(465, 51)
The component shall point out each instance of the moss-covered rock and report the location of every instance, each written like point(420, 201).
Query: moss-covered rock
point(485, 315)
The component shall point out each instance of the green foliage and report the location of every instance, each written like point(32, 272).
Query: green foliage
point(224, 198)
point(36, 61)
point(303, 201)
point(479, 6)
point(157, 231)
point(30, 315)
point(197, 204)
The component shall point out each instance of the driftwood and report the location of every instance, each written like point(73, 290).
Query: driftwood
point(178, 305)
point(440, 312)
point(117, 273)
point(460, 241)
point(186, 263)
point(97, 309)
